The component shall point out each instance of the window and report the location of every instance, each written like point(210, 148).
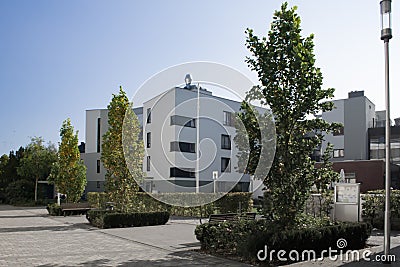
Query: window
point(338, 153)
point(148, 164)
point(183, 147)
point(225, 141)
point(228, 119)
point(98, 184)
point(98, 134)
point(183, 121)
point(339, 132)
point(186, 173)
point(148, 140)
point(98, 166)
point(149, 115)
point(225, 165)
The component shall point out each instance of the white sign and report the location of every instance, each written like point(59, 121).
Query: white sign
point(215, 175)
point(347, 193)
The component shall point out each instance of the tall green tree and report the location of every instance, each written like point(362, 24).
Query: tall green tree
point(8, 171)
point(291, 86)
point(122, 152)
point(37, 161)
point(69, 173)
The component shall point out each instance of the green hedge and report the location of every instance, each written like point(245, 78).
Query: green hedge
point(373, 208)
point(142, 202)
point(54, 210)
point(110, 219)
point(245, 238)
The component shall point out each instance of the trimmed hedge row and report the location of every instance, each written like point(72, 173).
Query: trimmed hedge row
point(111, 219)
point(143, 202)
point(246, 238)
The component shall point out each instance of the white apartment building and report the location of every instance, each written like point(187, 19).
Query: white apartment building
point(170, 123)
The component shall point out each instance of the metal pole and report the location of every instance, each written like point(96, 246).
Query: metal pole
point(215, 186)
point(387, 158)
point(198, 141)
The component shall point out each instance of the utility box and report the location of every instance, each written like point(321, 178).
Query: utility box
point(347, 207)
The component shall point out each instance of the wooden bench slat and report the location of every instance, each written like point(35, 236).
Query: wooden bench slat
point(69, 207)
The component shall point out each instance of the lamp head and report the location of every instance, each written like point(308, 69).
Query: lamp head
point(386, 17)
point(188, 79)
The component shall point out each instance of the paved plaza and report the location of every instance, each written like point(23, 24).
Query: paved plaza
point(30, 237)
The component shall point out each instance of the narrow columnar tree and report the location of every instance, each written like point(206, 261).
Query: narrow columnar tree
point(291, 86)
point(122, 159)
point(69, 172)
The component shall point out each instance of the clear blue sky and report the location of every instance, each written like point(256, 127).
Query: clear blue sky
point(60, 58)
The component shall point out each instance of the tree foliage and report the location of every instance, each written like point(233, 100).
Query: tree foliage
point(69, 172)
point(122, 159)
point(324, 173)
point(255, 139)
point(8, 167)
point(37, 161)
point(291, 87)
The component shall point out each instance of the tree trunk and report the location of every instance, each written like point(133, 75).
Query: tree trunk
point(36, 187)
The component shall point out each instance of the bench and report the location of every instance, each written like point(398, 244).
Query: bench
point(231, 217)
point(80, 208)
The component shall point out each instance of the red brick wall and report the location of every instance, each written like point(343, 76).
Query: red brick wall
point(370, 173)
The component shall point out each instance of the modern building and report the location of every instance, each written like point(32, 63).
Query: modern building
point(170, 124)
point(361, 141)
point(356, 113)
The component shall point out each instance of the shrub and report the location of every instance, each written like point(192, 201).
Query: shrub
point(143, 202)
point(246, 238)
point(235, 202)
point(97, 200)
point(373, 207)
point(54, 209)
point(110, 219)
point(96, 217)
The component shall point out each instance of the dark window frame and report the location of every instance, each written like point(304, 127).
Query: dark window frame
point(181, 172)
point(98, 135)
point(98, 166)
point(148, 162)
point(339, 132)
point(224, 143)
point(225, 167)
point(177, 146)
point(148, 140)
point(183, 121)
point(228, 119)
point(148, 115)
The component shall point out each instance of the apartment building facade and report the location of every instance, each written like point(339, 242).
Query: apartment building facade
point(356, 114)
point(170, 124)
point(360, 144)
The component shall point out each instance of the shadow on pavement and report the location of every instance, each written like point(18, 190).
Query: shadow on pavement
point(45, 228)
point(4, 207)
point(184, 258)
point(23, 216)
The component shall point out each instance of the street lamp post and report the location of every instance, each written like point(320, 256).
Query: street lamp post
point(188, 81)
point(386, 35)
